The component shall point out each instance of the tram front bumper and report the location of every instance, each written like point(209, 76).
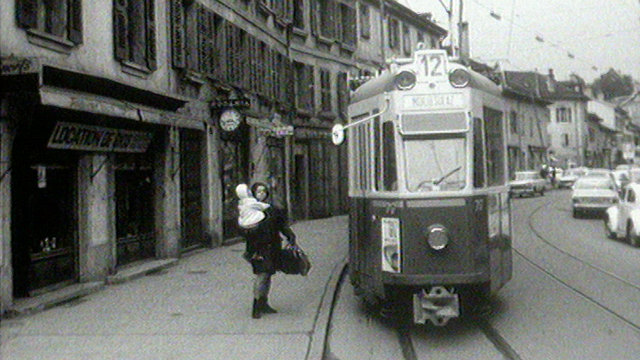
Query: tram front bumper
point(437, 306)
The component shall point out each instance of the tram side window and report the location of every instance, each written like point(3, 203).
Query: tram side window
point(478, 154)
point(389, 172)
point(363, 160)
point(385, 156)
point(493, 129)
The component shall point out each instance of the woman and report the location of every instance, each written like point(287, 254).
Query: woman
point(263, 249)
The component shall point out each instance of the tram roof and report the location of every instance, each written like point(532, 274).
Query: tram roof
point(385, 83)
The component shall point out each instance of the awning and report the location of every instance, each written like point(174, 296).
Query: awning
point(273, 127)
point(97, 104)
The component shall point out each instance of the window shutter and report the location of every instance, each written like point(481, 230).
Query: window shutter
point(120, 29)
point(178, 41)
point(27, 13)
point(152, 61)
point(74, 26)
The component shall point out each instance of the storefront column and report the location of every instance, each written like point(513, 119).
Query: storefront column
point(6, 271)
point(168, 197)
point(96, 217)
point(212, 212)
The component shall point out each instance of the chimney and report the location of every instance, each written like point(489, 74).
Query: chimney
point(551, 81)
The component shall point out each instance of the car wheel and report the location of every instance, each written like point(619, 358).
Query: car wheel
point(631, 238)
point(607, 230)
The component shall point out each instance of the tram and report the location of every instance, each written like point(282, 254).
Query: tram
point(430, 215)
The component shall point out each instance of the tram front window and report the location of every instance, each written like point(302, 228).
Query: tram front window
point(435, 164)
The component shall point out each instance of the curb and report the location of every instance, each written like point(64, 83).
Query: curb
point(318, 338)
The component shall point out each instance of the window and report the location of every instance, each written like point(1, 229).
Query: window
point(495, 147)
point(406, 40)
point(304, 87)
point(394, 33)
point(478, 154)
point(365, 21)
point(513, 122)
point(60, 18)
point(348, 25)
point(325, 91)
point(386, 173)
point(327, 18)
point(135, 33)
point(204, 47)
point(563, 115)
point(565, 140)
point(298, 15)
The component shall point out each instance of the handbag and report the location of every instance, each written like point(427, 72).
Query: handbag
point(294, 261)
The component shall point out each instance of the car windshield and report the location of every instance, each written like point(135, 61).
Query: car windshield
point(527, 176)
point(435, 164)
point(594, 185)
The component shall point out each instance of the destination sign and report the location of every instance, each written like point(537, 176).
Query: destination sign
point(433, 101)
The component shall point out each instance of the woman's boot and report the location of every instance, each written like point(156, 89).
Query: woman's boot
point(264, 306)
point(256, 313)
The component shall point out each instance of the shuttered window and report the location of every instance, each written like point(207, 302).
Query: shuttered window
point(325, 90)
point(60, 18)
point(304, 87)
point(327, 18)
point(135, 32)
point(348, 25)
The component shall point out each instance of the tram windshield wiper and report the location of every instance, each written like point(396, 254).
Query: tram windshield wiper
point(437, 182)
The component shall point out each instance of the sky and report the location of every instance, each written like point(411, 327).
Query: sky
point(583, 37)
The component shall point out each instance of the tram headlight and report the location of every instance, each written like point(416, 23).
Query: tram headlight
point(405, 80)
point(459, 78)
point(437, 237)
point(391, 253)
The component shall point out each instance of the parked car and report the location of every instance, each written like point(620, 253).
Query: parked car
point(625, 176)
point(622, 220)
point(593, 195)
point(599, 173)
point(528, 183)
point(570, 176)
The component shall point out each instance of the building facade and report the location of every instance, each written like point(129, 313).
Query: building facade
point(527, 115)
point(104, 162)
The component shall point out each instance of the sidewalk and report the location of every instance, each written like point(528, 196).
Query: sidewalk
point(200, 308)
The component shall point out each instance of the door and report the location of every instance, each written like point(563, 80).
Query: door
point(191, 158)
point(134, 209)
point(44, 242)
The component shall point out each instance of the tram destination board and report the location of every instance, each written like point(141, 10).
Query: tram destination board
point(433, 101)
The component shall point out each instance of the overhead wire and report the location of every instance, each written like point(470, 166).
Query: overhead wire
point(541, 38)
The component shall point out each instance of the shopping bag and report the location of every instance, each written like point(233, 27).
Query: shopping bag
point(294, 261)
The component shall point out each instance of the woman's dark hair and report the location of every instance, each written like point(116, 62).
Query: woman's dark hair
point(255, 186)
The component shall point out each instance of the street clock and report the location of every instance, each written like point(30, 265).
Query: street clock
point(230, 120)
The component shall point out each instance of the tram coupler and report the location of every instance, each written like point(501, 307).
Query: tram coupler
point(437, 306)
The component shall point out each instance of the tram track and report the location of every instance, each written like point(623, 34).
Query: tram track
point(584, 294)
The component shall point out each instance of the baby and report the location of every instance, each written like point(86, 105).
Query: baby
point(251, 211)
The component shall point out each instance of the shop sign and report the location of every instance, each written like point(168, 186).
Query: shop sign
point(230, 103)
point(18, 66)
point(72, 136)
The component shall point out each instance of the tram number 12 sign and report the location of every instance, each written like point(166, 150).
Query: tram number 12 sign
point(432, 64)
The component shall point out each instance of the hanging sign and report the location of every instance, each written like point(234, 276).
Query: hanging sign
point(96, 138)
point(230, 103)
